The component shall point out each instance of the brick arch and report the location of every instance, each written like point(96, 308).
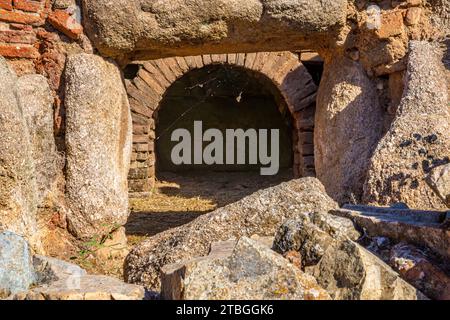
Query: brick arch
point(283, 69)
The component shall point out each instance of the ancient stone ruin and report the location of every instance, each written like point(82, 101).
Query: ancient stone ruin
point(91, 90)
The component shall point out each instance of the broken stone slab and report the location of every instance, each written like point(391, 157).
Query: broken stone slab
point(252, 271)
point(143, 30)
point(49, 270)
point(349, 272)
point(415, 267)
point(98, 141)
point(396, 212)
point(16, 268)
point(261, 213)
point(87, 287)
point(311, 234)
point(439, 181)
point(423, 228)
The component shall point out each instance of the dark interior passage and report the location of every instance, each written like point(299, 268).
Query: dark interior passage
point(222, 97)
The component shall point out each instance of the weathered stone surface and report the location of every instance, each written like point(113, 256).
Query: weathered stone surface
point(348, 127)
point(64, 4)
point(18, 191)
point(424, 228)
point(36, 101)
point(147, 29)
point(350, 272)
point(418, 138)
point(49, 270)
point(87, 287)
point(305, 238)
point(16, 268)
point(261, 213)
point(114, 247)
point(311, 235)
point(414, 266)
point(439, 181)
point(98, 140)
point(441, 15)
point(251, 272)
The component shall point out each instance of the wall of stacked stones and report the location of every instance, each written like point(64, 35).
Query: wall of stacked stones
point(36, 36)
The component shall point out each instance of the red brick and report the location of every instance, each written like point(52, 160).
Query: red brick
point(22, 66)
point(26, 5)
point(19, 17)
point(6, 4)
point(17, 36)
point(63, 22)
point(19, 51)
point(18, 26)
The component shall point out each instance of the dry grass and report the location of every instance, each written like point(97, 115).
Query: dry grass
point(179, 199)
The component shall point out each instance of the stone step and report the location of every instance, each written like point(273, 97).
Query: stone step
point(422, 228)
point(425, 216)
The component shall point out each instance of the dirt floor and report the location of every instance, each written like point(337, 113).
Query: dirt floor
point(176, 200)
point(179, 199)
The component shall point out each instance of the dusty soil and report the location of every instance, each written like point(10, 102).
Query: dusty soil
point(179, 199)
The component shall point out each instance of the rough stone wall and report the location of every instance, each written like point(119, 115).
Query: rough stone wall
point(36, 36)
point(26, 27)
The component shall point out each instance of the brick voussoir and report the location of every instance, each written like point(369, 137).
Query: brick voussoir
point(165, 70)
point(151, 81)
point(182, 64)
point(207, 60)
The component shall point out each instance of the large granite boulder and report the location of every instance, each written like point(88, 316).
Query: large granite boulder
point(418, 139)
point(18, 192)
point(98, 141)
point(261, 214)
point(36, 101)
point(348, 126)
point(16, 267)
point(349, 272)
point(251, 271)
point(145, 29)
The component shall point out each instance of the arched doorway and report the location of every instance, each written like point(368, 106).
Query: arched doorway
point(223, 98)
point(280, 73)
